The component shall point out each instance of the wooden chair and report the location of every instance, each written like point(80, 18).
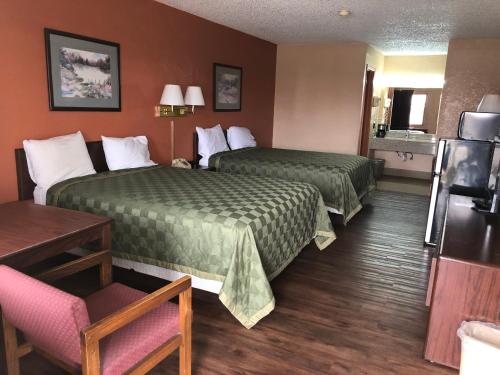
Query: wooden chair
point(113, 331)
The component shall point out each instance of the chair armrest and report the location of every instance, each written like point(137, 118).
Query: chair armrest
point(129, 313)
point(75, 266)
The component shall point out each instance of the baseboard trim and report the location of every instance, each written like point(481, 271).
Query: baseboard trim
point(420, 175)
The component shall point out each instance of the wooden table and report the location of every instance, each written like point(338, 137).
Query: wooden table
point(465, 278)
point(31, 233)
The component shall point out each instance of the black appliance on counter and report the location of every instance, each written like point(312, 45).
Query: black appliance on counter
point(381, 130)
point(463, 166)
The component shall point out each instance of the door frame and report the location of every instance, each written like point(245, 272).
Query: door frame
point(367, 110)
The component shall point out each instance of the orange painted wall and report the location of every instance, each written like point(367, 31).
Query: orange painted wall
point(159, 45)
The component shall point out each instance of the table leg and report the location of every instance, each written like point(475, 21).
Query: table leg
point(106, 267)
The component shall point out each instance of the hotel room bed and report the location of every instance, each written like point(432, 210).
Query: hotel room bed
point(239, 230)
point(343, 180)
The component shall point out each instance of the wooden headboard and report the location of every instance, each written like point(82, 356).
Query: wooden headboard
point(196, 156)
point(25, 185)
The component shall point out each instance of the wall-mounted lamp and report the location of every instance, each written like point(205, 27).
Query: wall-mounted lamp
point(173, 104)
point(194, 97)
point(489, 103)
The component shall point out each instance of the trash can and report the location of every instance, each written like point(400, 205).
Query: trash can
point(480, 348)
point(378, 168)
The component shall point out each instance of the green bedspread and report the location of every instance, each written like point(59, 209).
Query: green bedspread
point(342, 179)
point(240, 230)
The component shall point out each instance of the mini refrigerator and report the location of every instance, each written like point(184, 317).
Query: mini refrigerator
point(462, 166)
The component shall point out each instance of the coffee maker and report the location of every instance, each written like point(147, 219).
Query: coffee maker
point(381, 130)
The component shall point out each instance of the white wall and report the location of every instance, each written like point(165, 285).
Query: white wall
point(318, 97)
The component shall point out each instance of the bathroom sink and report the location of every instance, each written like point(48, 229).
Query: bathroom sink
point(411, 136)
point(425, 144)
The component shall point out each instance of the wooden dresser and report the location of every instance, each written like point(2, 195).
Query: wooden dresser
point(465, 279)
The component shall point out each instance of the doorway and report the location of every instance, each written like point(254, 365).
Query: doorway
point(367, 112)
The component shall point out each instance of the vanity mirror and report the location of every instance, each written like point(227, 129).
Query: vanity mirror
point(413, 108)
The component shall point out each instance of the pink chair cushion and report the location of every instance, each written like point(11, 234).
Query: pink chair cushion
point(127, 346)
point(50, 318)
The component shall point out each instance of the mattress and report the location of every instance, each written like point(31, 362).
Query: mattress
point(239, 230)
point(342, 179)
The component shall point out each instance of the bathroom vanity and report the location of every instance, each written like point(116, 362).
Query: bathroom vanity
point(404, 142)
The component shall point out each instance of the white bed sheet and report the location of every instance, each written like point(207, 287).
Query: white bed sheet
point(39, 195)
point(212, 286)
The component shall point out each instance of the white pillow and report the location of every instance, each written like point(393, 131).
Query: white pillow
point(57, 159)
point(239, 137)
point(129, 152)
point(210, 141)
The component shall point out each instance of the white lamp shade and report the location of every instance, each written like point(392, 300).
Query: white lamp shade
point(489, 103)
point(194, 96)
point(172, 95)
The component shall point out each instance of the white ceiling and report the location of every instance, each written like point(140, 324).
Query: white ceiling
point(392, 26)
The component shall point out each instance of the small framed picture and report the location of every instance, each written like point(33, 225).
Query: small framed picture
point(227, 88)
point(83, 73)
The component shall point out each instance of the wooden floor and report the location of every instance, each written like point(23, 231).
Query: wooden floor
point(356, 307)
point(405, 185)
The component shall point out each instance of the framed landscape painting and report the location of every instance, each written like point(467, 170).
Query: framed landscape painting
point(227, 88)
point(83, 73)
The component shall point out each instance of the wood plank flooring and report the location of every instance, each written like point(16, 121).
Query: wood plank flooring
point(405, 184)
point(356, 307)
